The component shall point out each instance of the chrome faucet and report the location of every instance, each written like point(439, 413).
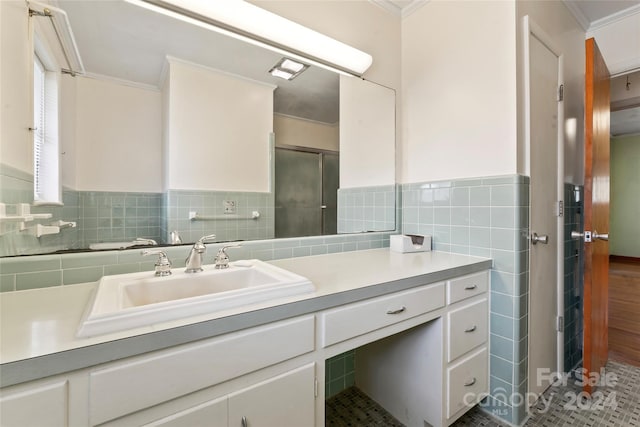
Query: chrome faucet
point(194, 260)
point(222, 259)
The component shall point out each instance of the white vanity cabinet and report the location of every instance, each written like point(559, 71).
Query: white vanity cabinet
point(238, 361)
point(467, 353)
point(35, 404)
point(422, 353)
point(211, 413)
point(432, 371)
point(286, 399)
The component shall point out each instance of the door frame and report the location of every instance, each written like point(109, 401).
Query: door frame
point(530, 28)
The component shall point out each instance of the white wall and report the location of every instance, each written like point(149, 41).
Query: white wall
point(458, 91)
point(619, 42)
point(219, 128)
point(117, 137)
point(367, 133)
point(568, 36)
point(16, 148)
point(306, 133)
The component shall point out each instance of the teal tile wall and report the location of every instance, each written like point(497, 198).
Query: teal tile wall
point(366, 209)
point(106, 216)
point(489, 217)
point(210, 203)
point(18, 273)
point(340, 373)
point(17, 187)
point(573, 277)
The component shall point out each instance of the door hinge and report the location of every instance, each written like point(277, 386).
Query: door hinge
point(560, 208)
point(315, 387)
point(559, 323)
point(561, 93)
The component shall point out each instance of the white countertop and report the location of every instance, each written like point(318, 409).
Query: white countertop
point(38, 327)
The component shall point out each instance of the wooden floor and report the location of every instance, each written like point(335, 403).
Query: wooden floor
point(624, 309)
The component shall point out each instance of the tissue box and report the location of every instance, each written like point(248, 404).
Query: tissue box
point(410, 243)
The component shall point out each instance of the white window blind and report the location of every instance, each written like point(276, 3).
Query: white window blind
point(46, 174)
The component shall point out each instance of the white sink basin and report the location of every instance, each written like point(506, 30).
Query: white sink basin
point(130, 300)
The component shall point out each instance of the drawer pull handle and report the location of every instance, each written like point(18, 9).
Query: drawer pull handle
point(244, 422)
point(471, 329)
point(470, 287)
point(470, 383)
point(397, 311)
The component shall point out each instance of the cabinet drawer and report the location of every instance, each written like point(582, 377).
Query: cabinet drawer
point(467, 328)
point(40, 404)
point(145, 381)
point(467, 286)
point(466, 380)
point(360, 318)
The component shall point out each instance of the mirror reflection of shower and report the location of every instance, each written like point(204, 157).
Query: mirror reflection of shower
point(306, 188)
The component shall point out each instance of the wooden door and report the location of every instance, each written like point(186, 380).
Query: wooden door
point(596, 211)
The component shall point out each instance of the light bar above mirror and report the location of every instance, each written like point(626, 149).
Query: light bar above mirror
point(253, 24)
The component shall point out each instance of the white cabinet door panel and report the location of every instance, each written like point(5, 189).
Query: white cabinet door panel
point(282, 401)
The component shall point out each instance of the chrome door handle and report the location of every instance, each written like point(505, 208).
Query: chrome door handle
point(576, 235)
point(589, 236)
point(535, 239)
point(603, 236)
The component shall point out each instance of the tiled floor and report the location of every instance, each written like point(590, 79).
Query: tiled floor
point(618, 405)
point(353, 408)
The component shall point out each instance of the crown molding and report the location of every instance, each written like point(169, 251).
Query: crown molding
point(396, 10)
point(122, 82)
point(614, 17)
point(577, 13)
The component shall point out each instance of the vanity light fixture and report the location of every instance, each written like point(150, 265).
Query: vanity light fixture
point(244, 21)
point(287, 69)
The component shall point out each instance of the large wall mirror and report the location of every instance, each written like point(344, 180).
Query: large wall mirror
point(176, 130)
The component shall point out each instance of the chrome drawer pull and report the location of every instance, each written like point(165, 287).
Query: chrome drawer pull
point(244, 422)
point(470, 288)
point(470, 383)
point(471, 329)
point(397, 311)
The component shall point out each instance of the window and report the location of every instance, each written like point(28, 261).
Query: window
point(46, 162)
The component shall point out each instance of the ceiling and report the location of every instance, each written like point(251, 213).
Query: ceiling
point(587, 12)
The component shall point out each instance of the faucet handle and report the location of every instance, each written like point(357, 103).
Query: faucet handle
point(162, 265)
point(222, 259)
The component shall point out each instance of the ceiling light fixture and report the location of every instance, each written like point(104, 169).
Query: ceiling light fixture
point(250, 23)
point(287, 69)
